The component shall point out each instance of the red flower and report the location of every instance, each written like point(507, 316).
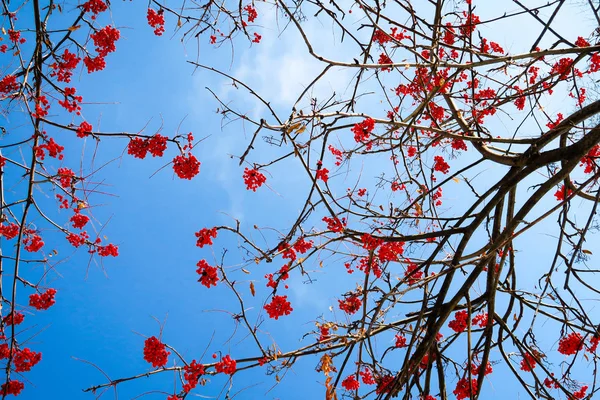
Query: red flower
point(43, 301)
point(95, 7)
point(385, 384)
point(471, 21)
point(109, 250)
point(9, 84)
point(154, 352)
point(205, 236)
point(413, 273)
point(400, 341)
point(157, 21)
point(192, 373)
point(12, 387)
point(441, 165)
point(94, 64)
point(186, 167)
point(476, 369)
point(252, 14)
point(367, 377)
point(84, 129)
point(322, 174)
point(481, 320)
point(350, 383)
point(570, 344)
point(562, 193)
point(362, 130)
point(16, 320)
point(385, 59)
point(278, 307)
point(33, 243)
point(9, 231)
point(208, 274)
point(465, 390)
point(335, 224)
point(226, 365)
point(79, 220)
point(302, 246)
point(105, 39)
point(528, 363)
point(350, 304)
point(459, 324)
point(77, 240)
point(253, 179)
point(580, 394)
point(26, 359)
point(390, 251)
point(564, 67)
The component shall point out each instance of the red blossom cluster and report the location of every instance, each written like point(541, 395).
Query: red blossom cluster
point(63, 68)
point(476, 369)
point(465, 389)
point(9, 84)
point(384, 59)
point(351, 304)
point(480, 320)
point(9, 231)
point(186, 166)
point(25, 359)
point(362, 131)
point(589, 160)
point(108, 250)
point(350, 383)
point(156, 20)
point(440, 165)
point(385, 384)
point(42, 301)
point(529, 362)
point(562, 193)
point(15, 37)
point(77, 240)
point(227, 365)
point(12, 387)
point(71, 101)
point(84, 129)
point(205, 237)
point(33, 242)
point(95, 7)
point(322, 173)
point(54, 150)
point(192, 373)
point(251, 12)
point(339, 156)
point(564, 68)
point(253, 179)
point(155, 145)
point(570, 344)
point(400, 341)
point(278, 307)
point(79, 220)
point(104, 40)
point(208, 274)
point(459, 323)
point(471, 21)
point(13, 318)
point(413, 273)
point(66, 177)
point(335, 224)
point(155, 352)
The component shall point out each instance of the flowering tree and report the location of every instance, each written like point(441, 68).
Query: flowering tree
point(424, 185)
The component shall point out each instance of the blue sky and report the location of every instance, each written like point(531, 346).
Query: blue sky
point(106, 308)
